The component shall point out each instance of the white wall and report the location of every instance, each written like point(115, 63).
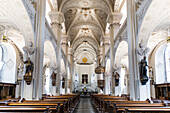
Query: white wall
point(86, 69)
point(9, 71)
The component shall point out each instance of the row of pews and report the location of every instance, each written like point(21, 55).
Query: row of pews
point(116, 104)
point(49, 104)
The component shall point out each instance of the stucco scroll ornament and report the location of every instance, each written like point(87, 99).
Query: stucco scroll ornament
point(142, 51)
point(29, 49)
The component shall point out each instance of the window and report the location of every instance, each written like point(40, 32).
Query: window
point(167, 62)
point(1, 58)
point(84, 79)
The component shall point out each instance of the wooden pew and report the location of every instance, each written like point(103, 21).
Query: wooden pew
point(25, 109)
point(99, 100)
point(108, 103)
point(73, 100)
point(148, 110)
point(55, 104)
point(122, 106)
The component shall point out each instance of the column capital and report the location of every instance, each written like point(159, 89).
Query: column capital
point(56, 17)
point(114, 18)
point(64, 40)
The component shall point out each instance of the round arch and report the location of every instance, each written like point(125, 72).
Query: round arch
point(159, 19)
point(22, 21)
point(121, 52)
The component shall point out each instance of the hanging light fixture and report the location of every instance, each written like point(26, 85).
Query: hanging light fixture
point(100, 69)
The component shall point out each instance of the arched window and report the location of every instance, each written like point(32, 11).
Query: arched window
point(167, 63)
point(1, 57)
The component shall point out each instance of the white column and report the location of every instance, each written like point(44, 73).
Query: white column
point(65, 48)
point(104, 62)
point(71, 72)
point(113, 20)
point(57, 18)
point(107, 82)
point(66, 80)
point(133, 67)
point(40, 33)
point(23, 84)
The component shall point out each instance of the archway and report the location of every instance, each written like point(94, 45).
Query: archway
point(121, 67)
point(49, 65)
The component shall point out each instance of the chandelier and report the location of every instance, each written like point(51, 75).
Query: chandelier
point(100, 69)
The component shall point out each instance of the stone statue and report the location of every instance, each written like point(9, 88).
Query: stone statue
point(29, 67)
point(143, 71)
point(117, 78)
point(29, 49)
point(29, 71)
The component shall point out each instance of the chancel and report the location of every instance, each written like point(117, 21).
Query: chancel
point(76, 56)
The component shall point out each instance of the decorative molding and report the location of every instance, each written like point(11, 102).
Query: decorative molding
point(29, 49)
point(114, 18)
point(30, 9)
point(142, 11)
point(56, 17)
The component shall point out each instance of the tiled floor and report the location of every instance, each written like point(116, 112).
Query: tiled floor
point(85, 106)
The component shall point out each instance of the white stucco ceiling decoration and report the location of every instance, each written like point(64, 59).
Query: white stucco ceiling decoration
point(89, 40)
point(13, 11)
point(155, 39)
point(92, 4)
point(85, 47)
point(85, 20)
point(157, 17)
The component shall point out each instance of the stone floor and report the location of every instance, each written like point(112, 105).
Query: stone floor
point(85, 106)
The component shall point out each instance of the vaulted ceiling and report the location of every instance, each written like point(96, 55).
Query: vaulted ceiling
point(85, 24)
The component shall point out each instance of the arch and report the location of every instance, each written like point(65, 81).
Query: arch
point(21, 22)
point(160, 69)
point(80, 40)
point(50, 52)
point(8, 72)
point(158, 17)
point(102, 5)
point(123, 46)
point(167, 63)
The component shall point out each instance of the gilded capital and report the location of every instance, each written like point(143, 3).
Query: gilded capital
point(114, 18)
point(56, 17)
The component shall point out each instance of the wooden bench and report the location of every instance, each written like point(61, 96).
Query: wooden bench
point(52, 106)
point(25, 109)
point(122, 106)
point(148, 109)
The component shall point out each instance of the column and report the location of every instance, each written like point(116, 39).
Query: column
point(100, 76)
point(113, 20)
point(57, 18)
point(70, 57)
point(39, 54)
point(65, 48)
point(106, 46)
point(104, 62)
point(132, 33)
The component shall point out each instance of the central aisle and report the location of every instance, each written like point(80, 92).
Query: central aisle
point(85, 106)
